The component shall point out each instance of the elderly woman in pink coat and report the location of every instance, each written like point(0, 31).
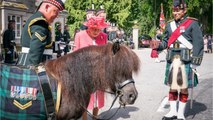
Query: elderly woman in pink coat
point(92, 36)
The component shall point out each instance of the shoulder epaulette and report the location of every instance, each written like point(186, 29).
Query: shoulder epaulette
point(34, 21)
point(192, 18)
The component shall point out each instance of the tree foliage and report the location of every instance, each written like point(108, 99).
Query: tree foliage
point(146, 12)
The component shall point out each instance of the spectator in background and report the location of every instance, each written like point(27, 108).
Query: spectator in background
point(205, 44)
point(66, 36)
point(92, 36)
point(119, 37)
point(209, 44)
point(24, 22)
point(101, 13)
point(75, 32)
point(111, 30)
point(9, 43)
point(58, 39)
point(89, 13)
point(158, 37)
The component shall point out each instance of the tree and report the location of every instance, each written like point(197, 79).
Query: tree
point(117, 11)
point(146, 12)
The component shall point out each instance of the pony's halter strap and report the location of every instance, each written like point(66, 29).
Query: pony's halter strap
point(126, 82)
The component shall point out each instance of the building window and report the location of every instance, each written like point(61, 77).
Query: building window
point(18, 27)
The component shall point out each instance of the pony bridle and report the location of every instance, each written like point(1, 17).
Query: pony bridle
point(118, 93)
point(119, 87)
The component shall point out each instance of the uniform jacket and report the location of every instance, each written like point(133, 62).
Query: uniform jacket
point(82, 39)
point(193, 34)
point(36, 36)
point(66, 36)
point(8, 35)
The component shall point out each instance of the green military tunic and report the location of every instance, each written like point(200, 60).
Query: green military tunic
point(36, 36)
point(8, 37)
point(193, 34)
point(66, 36)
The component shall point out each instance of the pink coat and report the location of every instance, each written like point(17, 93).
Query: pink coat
point(82, 39)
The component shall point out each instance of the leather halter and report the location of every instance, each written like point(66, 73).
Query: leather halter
point(126, 82)
point(118, 93)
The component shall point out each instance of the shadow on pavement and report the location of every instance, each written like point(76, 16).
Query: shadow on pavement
point(197, 108)
point(122, 113)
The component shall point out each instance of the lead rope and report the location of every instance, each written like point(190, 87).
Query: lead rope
point(92, 116)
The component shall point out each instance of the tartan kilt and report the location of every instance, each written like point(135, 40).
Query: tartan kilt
point(20, 94)
point(188, 72)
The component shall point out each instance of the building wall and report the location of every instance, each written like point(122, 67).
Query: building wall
point(24, 10)
point(13, 9)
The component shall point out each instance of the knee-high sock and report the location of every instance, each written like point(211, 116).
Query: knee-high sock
point(173, 104)
point(182, 104)
point(173, 109)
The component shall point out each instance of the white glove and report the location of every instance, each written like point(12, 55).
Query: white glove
point(193, 66)
point(9, 52)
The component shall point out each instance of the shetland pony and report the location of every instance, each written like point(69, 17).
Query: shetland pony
point(79, 73)
point(93, 68)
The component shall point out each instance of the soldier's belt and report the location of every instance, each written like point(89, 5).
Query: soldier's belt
point(177, 45)
point(183, 54)
point(46, 51)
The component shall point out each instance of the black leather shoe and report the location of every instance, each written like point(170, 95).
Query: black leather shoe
point(169, 118)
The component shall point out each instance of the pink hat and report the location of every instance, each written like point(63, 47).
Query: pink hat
point(96, 22)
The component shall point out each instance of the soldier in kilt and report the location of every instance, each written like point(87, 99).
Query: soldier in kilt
point(36, 36)
point(183, 39)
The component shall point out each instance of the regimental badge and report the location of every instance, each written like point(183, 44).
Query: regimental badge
point(182, 29)
point(21, 92)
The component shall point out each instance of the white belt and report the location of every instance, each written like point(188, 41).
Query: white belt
point(181, 39)
point(25, 50)
point(180, 46)
point(46, 51)
point(57, 42)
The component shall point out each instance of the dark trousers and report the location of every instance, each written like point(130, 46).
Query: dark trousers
point(9, 57)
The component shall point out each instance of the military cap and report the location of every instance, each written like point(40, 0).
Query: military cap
point(101, 10)
point(89, 11)
point(179, 3)
point(58, 3)
point(92, 10)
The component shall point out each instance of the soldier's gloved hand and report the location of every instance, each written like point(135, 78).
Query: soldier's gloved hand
point(9, 52)
point(193, 66)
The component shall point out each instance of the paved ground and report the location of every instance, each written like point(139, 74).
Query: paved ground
point(151, 103)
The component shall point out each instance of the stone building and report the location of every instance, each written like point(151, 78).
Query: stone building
point(20, 11)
